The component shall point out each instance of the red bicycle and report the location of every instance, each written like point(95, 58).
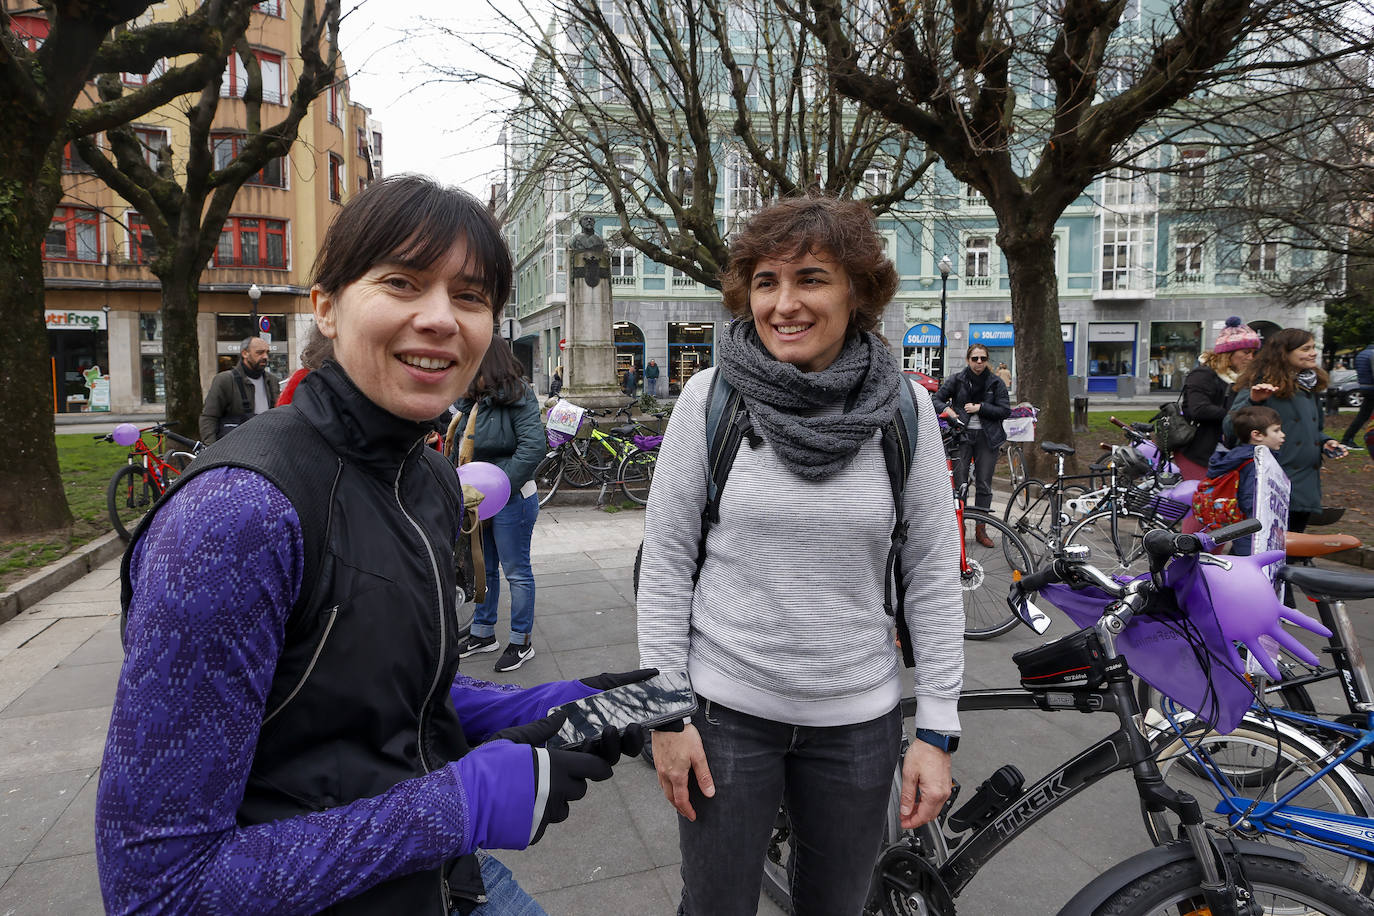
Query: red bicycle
point(139, 484)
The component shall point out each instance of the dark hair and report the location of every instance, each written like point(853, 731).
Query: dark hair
point(500, 375)
point(841, 229)
point(414, 221)
point(1271, 366)
point(1255, 418)
point(972, 347)
point(316, 349)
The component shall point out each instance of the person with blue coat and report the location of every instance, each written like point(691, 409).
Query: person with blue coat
point(1364, 374)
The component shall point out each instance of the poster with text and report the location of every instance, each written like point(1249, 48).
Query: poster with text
point(1271, 505)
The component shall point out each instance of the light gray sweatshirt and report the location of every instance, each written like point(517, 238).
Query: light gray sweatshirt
point(786, 621)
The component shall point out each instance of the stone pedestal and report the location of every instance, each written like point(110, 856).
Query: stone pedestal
point(589, 361)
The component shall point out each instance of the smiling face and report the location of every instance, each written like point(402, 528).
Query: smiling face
point(801, 308)
point(1304, 357)
point(410, 338)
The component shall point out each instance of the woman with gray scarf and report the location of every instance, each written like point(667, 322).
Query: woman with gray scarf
point(784, 630)
point(1286, 377)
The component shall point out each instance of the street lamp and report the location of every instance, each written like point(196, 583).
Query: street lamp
point(255, 293)
point(945, 268)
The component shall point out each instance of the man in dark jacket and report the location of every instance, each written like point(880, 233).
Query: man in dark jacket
point(651, 379)
point(237, 395)
point(1364, 374)
point(631, 381)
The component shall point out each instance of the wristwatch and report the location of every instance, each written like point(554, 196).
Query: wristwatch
point(947, 743)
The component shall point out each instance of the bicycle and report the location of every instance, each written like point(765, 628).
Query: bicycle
point(624, 458)
point(985, 612)
point(134, 488)
point(923, 870)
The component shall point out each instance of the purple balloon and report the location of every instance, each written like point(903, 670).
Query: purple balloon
point(125, 434)
point(493, 483)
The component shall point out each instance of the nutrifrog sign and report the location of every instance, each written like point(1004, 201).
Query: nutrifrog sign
point(1271, 505)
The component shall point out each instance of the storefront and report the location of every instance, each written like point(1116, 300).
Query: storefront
point(1174, 349)
point(1111, 353)
point(231, 331)
point(691, 346)
point(1069, 331)
point(1000, 340)
point(629, 349)
point(78, 344)
point(921, 350)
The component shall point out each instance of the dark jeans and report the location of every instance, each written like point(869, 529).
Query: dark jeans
point(1361, 418)
point(836, 781)
point(984, 458)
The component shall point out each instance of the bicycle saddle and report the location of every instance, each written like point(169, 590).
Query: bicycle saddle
point(1334, 584)
point(1317, 545)
point(1054, 448)
point(626, 431)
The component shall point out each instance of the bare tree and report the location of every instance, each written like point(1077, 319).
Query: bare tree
point(39, 89)
point(1031, 102)
point(652, 109)
point(185, 219)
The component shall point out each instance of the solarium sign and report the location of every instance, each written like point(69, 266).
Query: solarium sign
point(75, 321)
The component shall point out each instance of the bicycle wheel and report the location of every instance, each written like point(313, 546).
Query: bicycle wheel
point(1016, 464)
point(548, 476)
point(1291, 697)
point(987, 573)
point(1116, 539)
point(598, 455)
point(131, 493)
point(1028, 512)
point(1262, 765)
point(636, 473)
point(1280, 886)
point(577, 472)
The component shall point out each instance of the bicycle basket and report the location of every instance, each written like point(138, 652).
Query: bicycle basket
point(1153, 506)
point(1072, 662)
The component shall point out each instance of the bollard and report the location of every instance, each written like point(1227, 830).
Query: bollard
point(1080, 415)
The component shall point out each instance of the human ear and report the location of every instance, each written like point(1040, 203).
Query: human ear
point(322, 304)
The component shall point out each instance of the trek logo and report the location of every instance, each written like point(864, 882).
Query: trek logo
point(1043, 797)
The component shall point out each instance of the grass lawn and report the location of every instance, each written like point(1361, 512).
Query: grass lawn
point(87, 466)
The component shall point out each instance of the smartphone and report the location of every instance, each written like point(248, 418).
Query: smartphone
point(661, 699)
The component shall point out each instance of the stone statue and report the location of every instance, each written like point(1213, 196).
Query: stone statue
point(590, 261)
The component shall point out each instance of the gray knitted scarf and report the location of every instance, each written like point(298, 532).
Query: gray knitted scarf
point(864, 377)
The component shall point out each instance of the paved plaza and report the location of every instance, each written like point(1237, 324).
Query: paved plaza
point(617, 854)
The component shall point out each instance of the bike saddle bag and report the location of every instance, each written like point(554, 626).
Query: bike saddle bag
point(1072, 662)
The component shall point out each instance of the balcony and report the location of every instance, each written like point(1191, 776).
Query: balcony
point(977, 282)
point(684, 283)
point(623, 281)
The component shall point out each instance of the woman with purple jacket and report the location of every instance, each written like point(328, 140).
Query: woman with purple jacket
point(290, 732)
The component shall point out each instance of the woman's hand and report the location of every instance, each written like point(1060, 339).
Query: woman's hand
point(949, 414)
point(1261, 392)
point(925, 783)
point(680, 754)
point(971, 407)
point(1333, 449)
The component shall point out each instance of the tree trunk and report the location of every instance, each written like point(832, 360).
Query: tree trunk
point(1042, 375)
point(31, 497)
point(181, 346)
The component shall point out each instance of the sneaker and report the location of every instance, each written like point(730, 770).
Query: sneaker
point(1359, 448)
point(475, 644)
point(515, 656)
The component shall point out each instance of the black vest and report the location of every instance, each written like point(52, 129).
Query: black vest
point(359, 701)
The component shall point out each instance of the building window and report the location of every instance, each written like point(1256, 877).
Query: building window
point(235, 82)
point(72, 161)
point(31, 30)
point(1128, 251)
point(682, 280)
point(627, 167)
point(744, 185)
point(142, 245)
point(1262, 259)
point(614, 16)
point(333, 103)
point(139, 80)
point(622, 266)
point(269, 8)
point(974, 197)
point(681, 179)
point(1188, 255)
point(73, 235)
point(376, 143)
point(1192, 171)
point(691, 347)
point(251, 242)
point(978, 262)
point(336, 178)
point(227, 147)
point(1174, 349)
point(877, 180)
point(153, 140)
point(363, 151)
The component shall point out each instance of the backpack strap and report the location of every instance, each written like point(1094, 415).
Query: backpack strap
point(899, 447)
point(245, 401)
point(727, 422)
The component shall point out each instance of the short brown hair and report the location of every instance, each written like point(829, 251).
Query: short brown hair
point(842, 229)
point(1256, 418)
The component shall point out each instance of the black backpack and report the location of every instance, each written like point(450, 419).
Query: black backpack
point(728, 423)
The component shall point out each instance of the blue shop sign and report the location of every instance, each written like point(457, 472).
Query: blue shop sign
point(922, 335)
point(992, 335)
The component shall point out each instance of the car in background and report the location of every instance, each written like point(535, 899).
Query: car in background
point(1344, 388)
point(925, 381)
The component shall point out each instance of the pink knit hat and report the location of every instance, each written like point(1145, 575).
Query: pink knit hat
point(1236, 336)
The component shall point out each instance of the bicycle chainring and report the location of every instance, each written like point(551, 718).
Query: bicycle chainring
point(908, 885)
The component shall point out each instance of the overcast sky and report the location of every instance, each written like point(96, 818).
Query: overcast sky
point(443, 129)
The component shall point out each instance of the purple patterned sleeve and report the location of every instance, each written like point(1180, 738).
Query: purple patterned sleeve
point(485, 708)
point(214, 581)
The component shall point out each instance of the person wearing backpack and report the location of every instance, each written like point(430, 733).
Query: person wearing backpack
point(774, 593)
point(1227, 494)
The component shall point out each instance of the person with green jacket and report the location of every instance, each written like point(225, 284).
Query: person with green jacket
point(508, 433)
point(1285, 376)
point(651, 379)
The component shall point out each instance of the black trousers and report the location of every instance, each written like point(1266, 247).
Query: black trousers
point(1361, 418)
point(975, 450)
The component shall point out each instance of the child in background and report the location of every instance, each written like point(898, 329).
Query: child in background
point(1254, 426)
